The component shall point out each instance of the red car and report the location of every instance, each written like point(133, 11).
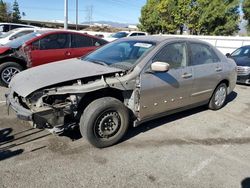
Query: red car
point(43, 47)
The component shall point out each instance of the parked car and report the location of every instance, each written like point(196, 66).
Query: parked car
point(131, 80)
point(122, 34)
point(5, 27)
point(242, 58)
point(41, 47)
point(14, 34)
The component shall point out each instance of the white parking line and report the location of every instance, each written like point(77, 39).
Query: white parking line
point(209, 160)
point(2, 102)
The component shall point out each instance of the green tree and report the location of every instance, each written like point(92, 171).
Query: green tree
point(220, 17)
point(150, 18)
point(210, 17)
point(3, 11)
point(246, 10)
point(16, 16)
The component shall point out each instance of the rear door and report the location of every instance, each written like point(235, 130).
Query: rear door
point(53, 47)
point(207, 70)
point(165, 91)
point(82, 45)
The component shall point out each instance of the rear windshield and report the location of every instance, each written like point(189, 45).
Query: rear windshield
point(21, 40)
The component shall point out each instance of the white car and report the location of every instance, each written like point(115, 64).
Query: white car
point(15, 33)
point(122, 34)
point(5, 27)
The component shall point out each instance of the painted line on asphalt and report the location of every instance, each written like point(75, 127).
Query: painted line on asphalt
point(2, 102)
point(209, 160)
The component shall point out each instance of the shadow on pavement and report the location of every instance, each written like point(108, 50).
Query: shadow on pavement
point(5, 154)
point(75, 134)
point(231, 97)
point(8, 141)
point(5, 135)
point(167, 119)
point(245, 183)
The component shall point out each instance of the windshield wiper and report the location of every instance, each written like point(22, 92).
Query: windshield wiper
point(98, 62)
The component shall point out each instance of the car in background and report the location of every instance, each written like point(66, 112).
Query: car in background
point(242, 58)
point(129, 81)
point(5, 27)
point(15, 33)
point(41, 47)
point(122, 34)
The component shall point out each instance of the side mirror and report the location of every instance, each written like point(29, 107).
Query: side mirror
point(228, 54)
point(13, 37)
point(159, 66)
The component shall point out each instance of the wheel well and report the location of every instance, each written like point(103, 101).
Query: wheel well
point(224, 81)
point(89, 97)
point(11, 59)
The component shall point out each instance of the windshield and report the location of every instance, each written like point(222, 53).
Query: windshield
point(21, 40)
point(123, 55)
point(243, 51)
point(120, 35)
point(8, 33)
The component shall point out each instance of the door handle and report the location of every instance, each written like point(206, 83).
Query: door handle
point(218, 69)
point(186, 75)
point(68, 53)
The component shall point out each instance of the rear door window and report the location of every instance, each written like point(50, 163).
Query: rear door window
point(202, 54)
point(98, 42)
point(80, 41)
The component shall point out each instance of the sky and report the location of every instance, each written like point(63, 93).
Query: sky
point(124, 11)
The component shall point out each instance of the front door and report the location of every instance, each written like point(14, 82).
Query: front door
point(165, 91)
point(54, 47)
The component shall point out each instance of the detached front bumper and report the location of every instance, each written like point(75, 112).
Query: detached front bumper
point(21, 112)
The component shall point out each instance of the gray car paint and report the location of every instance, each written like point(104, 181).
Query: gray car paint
point(43, 76)
point(145, 91)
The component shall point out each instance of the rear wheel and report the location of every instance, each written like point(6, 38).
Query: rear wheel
point(7, 71)
point(219, 97)
point(104, 122)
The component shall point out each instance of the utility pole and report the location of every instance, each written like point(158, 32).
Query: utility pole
point(76, 14)
point(65, 14)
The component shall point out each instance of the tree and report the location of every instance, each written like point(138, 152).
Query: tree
point(16, 16)
point(150, 18)
point(220, 17)
point(3, 11)
point(210, 17)
point(246, 10)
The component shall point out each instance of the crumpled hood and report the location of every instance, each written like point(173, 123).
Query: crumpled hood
point(43, 76)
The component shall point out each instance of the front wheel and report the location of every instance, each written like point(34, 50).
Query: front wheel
point(219, 97)
point(104, 122)
point(7, 71)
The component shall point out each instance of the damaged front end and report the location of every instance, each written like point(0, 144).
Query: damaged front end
point(58, 106)
point(46, 111)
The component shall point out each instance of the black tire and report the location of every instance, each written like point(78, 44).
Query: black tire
point(3, 68)
point(214, 104)
point(104, 122)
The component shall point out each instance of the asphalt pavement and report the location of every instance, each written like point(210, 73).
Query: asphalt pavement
point(195, 148)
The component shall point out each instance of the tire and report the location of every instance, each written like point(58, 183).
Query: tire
point(7, 67)
point(104, 122)
point(218, 99)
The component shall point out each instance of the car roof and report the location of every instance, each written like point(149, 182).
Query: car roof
point(161, 38)
point(5, 23)
point(51, 31)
